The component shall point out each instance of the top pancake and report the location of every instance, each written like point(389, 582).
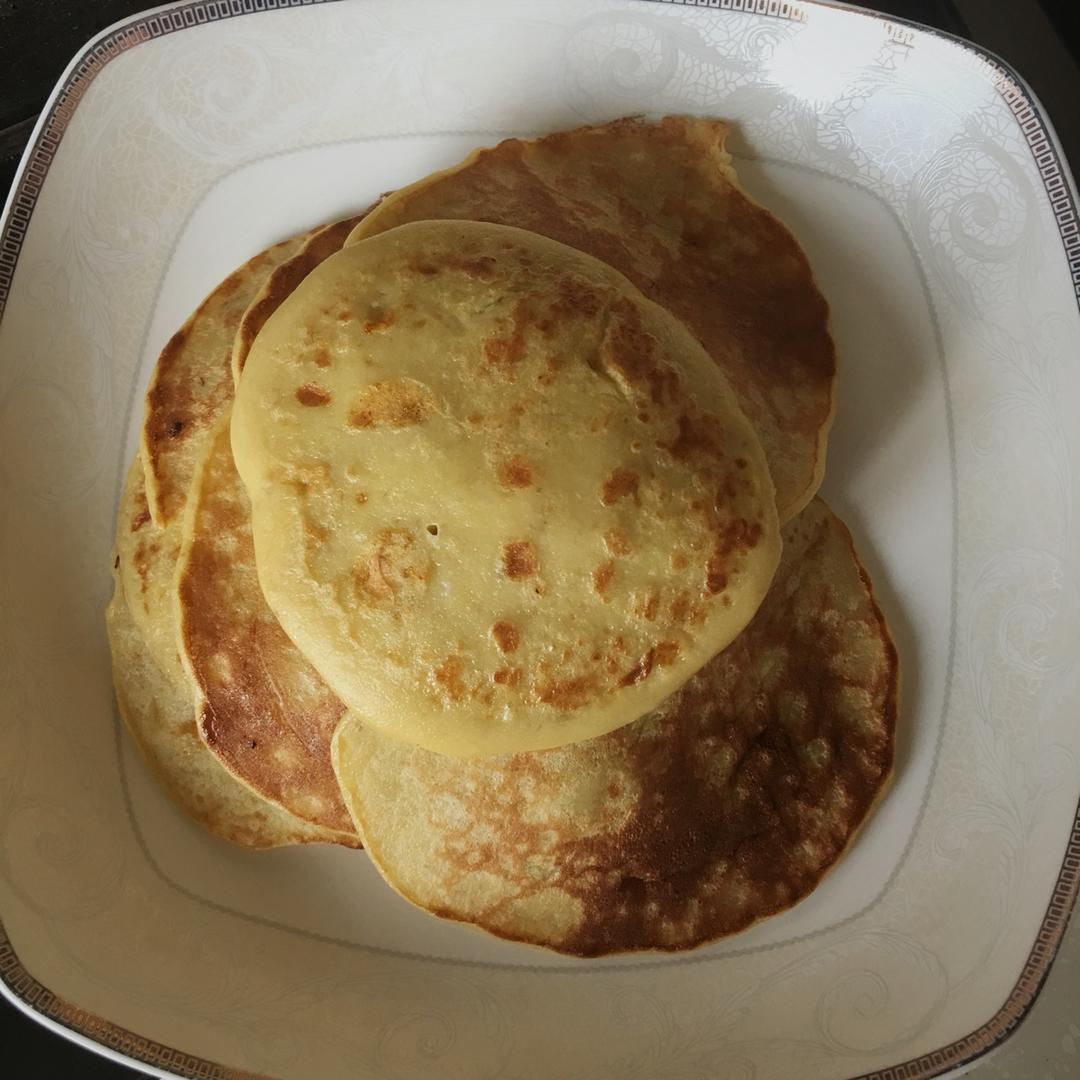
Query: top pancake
point(500, 500)
point(726, 805)
point(658, 202)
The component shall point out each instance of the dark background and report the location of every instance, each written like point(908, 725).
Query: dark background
point(39, 37)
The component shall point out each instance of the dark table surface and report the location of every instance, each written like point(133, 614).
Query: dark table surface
point(38, 39)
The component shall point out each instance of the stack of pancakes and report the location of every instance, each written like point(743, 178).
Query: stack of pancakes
point(480, 531)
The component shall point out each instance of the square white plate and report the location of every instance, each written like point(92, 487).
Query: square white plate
point(937, 212)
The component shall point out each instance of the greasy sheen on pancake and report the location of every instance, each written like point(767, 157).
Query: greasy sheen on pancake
point(263, 709)
point(192, 383)
point(500, 500)
point(659, 202)
point(158, 711)
point(724, 806)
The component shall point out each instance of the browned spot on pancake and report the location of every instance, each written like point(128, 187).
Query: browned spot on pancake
point(577, 299)
point(519, 560)
point(617, 541)
point(515, 473)
point(140, 519)
point(679, 560)
point(680, 608)
point(630, 351)
point(622, 483)
point(507, 636)
point(312, 394)
point(146, 552)
point(482, 267)
point(648, 605)
point(449, 676)
point(508, 677)
point(736, 537)
point(321, 357)
point(395, 564)
point(505, 351)
point(424, 269)
point(380, 322)
point(393, 403)
point(741, 463)
point(175, 427)
point(361, 497)
point(667, 652)
point(567, 694)
point(602, 577)
point(697, 435)
point(641, 670)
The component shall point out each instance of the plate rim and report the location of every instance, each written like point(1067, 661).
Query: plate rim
point(100, 1035)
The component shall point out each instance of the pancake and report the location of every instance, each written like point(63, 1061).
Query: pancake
point(159, 714)
point(317, 247)
point(192, 383)
point(725, 806)
point(145, 567)
point(659, 202)
point(158, 698)
point(500, 500)
point(190, 390)
point(263, 711)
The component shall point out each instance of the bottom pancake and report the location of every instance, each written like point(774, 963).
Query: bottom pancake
point(726, 805)
point(160, 715)
point(160, 702)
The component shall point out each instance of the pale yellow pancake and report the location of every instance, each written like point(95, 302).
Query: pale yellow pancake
point(660, 202)
point(726, 805)
point(500, 500)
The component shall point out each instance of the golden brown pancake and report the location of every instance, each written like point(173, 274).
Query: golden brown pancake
point(659, 202)
point(192, 390)
point(726, 805)
point(500, 499)
point(263, 709)
point(158, 711)
point(192, 383)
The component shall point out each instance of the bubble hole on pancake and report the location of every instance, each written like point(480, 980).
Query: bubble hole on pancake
point(500, 500)
point(726, 805)
point(659, 202)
